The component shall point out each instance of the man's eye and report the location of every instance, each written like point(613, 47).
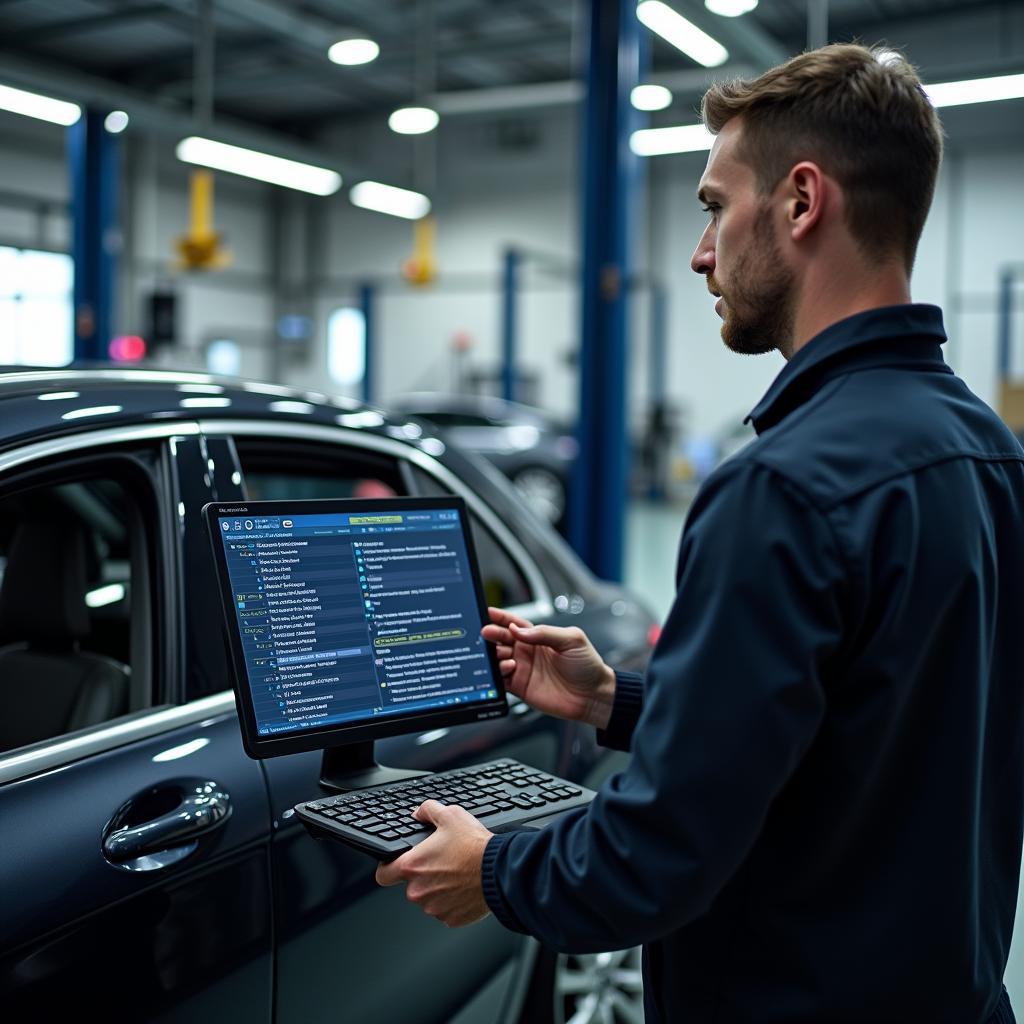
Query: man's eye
point(710, 209)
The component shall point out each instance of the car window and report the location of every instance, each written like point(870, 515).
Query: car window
point(503, 580)
point(277, 470)
point(74, 603)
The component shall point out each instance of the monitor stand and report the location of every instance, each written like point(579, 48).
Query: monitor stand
point(353, 766)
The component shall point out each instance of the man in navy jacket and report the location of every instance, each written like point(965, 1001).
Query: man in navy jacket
point(821, 820)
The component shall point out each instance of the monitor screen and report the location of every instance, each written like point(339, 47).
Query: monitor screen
point(348, 614)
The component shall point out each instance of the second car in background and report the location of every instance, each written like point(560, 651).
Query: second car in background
point(530, 446)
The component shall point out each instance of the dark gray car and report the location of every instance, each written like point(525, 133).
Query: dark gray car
point(151, 870)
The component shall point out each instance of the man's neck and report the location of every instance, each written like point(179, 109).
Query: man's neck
point(825, 302)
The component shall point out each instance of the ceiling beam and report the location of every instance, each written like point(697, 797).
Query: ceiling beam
point(75, 26)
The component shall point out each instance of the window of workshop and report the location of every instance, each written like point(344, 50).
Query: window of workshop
point(346, 346)
point(35, 307)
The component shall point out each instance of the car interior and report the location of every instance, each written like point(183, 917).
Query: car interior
point(67, 622)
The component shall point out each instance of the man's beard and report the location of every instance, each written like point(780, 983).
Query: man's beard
point(759, 307)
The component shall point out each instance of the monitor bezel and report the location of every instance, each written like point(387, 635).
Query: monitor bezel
point(341, 734)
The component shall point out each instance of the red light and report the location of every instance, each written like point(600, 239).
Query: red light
point(653, 635)
point(127, 348)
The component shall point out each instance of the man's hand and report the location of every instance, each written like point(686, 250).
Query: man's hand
point(442, 874)
point(553, 668)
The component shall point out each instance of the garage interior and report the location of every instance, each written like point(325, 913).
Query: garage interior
point(472, 204)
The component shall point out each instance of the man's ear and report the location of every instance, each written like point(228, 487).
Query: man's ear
point(806, 195)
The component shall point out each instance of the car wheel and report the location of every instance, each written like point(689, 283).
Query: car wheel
point(542, 490)
point(603, 988)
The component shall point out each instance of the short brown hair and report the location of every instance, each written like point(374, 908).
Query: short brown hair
point(862, 115)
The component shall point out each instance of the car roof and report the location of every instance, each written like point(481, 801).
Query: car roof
point(37, 402)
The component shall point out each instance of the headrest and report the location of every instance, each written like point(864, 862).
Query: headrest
point(42, 598)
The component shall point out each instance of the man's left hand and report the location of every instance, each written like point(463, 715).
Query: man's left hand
point(442, 873)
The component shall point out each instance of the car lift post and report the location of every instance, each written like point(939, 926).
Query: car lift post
point(509, 323)
point(599, 490)
point(367, 296)
point(93, 157)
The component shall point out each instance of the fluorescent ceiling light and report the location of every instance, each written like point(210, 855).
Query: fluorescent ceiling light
point(115, 122)
point(252, 164)
point(687, 138)
point(399, 202)
point(413, 120)
point(31, 104)
point(682, 34)
point(353, 51)
point(650, 97)
point(730, 8)
point(976, 90)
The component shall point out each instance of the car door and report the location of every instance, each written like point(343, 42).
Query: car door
point(384, 959)
point(135, 832)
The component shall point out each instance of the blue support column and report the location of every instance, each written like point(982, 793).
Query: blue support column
point(93, 154)
point(509, 324)
point(599, 492)
point(367, 295)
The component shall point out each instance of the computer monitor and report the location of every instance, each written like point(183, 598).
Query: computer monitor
point(349, 621)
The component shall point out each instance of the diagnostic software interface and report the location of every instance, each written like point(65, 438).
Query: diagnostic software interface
point(348, 617)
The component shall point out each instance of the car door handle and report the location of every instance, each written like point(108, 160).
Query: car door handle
point(201, 808)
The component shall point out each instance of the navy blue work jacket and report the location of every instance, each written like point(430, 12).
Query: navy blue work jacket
point(821, 819)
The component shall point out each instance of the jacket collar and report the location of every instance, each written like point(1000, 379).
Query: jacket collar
point(887, 336)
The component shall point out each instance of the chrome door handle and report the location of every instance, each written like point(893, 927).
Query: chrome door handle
point(201, 808)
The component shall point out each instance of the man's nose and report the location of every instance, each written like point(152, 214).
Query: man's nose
point(703, 259)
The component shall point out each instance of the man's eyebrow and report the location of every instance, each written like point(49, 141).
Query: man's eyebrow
point(705, 193)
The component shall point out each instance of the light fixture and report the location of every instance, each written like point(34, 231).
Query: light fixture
point(730, 8)
point(115, 122)
point(399, 202)
point(413, 120)
point(31, 104)
point(250, 163)
point(102, 596)
point(650, 97)
point(353, 51)
point(976, 90)
point(682, 34)
point(686, 138)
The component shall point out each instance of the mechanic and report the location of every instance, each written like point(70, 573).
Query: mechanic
point(821, 819)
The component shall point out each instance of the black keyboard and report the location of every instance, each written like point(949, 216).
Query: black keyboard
point(502, 794)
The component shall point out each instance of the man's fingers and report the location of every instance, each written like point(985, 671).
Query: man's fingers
point(429, 811)
point(391, 872)
point(559, 638)
point(504, 618)
point(506, 666)
point(496, 634)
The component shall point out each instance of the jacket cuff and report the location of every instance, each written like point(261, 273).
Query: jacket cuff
point(493, 895)
point(629, 702)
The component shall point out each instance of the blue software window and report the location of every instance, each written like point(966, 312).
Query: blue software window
point(353, 616)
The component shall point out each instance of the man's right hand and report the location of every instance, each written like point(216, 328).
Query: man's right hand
point(554, 669)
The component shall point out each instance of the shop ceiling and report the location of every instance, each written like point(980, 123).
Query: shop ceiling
point(271, 72)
